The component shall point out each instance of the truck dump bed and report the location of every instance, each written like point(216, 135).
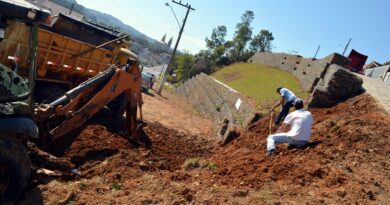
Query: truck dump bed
point(60, 44)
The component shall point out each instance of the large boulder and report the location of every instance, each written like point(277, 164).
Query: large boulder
point(337, 85)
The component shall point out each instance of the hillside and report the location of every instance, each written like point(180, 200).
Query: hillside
point(258, 82)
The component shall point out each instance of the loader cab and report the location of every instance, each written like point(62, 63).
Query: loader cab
point(12, 58)
point(19, 22)
point(18, 45)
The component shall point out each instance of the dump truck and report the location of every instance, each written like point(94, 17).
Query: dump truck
point(117, 87)
point(356, 61)
point(69, 52)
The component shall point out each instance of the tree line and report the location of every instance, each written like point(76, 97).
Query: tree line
point(221, 52)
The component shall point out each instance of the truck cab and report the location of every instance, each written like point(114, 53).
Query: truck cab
point(146, 82)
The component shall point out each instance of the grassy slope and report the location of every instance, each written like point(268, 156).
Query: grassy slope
point(258, 82)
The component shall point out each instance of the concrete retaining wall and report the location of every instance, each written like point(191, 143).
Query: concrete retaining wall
point(218, 102)
point(307, 71)
point(214, 99)
point(337, 85)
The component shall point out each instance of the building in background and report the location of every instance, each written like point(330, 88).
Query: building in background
point(373, 64)
point(169, 44)
point(382, 73)
point(56, 8)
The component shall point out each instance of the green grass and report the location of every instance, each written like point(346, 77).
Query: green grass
point(259, 82)
point(116, 186)
point(194, 163)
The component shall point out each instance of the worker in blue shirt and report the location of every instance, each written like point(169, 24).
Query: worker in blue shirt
point(287, 99)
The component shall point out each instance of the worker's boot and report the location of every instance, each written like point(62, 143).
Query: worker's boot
point(292, 146)
point(271, 152)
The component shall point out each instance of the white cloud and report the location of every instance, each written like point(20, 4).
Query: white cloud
point(193, 44)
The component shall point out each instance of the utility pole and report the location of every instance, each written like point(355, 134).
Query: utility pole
point(346, 47)
point(71, 9)
point(318, 48)
point(189, 8)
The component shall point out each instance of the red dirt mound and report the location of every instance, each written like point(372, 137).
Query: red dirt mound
point(169, 150)
point(347, 158)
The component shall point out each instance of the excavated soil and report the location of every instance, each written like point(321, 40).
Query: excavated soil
point(347, 162)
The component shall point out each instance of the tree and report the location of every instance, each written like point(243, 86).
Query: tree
point(262, 42)
point(182, 66)
point(386, 63)
point(216, 42)
point(242, 35)
point(223, 52)
point(203, 63)
point(217, 38)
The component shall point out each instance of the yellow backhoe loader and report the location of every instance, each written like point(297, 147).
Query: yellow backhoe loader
point(117, 87)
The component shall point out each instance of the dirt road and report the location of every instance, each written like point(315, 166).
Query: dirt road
point(174, 112)
point(379, 90)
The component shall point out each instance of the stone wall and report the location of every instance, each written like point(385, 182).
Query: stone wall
point(337, 85)
point(307, 70)
point(218, 102)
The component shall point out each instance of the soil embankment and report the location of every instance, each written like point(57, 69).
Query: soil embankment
point(347, 162)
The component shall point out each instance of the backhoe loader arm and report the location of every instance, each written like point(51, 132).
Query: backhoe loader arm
point(87, 103)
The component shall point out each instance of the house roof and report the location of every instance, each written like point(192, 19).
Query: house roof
point(372, 64)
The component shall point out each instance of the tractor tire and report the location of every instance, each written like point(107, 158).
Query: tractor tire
point(118, 109)
point(15, 169)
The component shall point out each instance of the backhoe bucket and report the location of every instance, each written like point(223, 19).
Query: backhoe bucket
point(142, 138)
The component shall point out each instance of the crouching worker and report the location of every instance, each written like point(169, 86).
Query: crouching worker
point(295, 130)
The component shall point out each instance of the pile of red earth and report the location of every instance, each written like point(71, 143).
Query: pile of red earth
point(96, 143)
point(347, 160)
point(168, 151)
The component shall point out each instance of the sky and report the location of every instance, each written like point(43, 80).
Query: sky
point(298, 26)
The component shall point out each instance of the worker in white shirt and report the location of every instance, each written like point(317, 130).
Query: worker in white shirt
point(295, 130)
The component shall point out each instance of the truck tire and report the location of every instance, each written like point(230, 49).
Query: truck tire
point(15, 169)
